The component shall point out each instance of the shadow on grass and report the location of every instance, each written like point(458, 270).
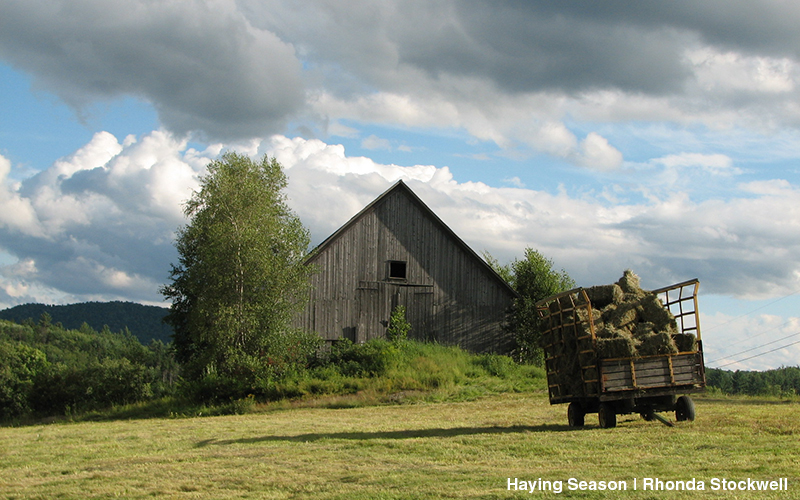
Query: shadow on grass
point(746, 400)
point(409, 434)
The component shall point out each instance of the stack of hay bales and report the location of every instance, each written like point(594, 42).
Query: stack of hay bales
point(632, 322)
point(628, 322)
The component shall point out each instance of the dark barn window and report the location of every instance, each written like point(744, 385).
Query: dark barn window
point(397, 270)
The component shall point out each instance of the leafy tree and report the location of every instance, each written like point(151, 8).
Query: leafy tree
point(240, 277)
point(19, 367)
point(534, 279)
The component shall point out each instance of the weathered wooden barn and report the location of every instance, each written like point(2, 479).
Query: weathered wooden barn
point(396, 251)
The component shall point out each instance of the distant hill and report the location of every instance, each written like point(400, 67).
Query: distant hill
point(145, 322)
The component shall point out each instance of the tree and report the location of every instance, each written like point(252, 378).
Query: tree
point(241, 276)
point(534, 279)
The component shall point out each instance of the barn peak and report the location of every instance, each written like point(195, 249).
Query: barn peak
point(397, 251)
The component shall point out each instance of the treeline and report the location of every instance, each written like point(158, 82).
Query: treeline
point(144, 322)
point(779, 382)
point(46, 369)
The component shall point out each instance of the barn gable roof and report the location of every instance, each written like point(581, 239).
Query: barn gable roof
point(402, 186)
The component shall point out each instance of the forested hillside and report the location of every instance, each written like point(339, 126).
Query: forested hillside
point(144, 322)
point(48, 370)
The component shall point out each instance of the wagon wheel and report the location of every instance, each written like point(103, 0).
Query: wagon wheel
point(684, 409)
point(607, 416)
point(575, 415)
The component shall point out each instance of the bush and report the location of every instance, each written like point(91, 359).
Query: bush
point(66, 389)
point(399, 327)
point(371, 358)
point(495, 365)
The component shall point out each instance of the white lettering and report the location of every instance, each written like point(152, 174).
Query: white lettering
point(573, 484)
point(531, 486)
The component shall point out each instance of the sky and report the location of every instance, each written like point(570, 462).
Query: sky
point(662, 137)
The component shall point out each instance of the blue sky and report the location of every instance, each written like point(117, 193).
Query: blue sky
point(608, 135)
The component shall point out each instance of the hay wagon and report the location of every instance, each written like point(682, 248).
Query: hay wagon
point(585, 371)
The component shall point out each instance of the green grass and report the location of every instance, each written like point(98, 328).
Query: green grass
point(459, 449)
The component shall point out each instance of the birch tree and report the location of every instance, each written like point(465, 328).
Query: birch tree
point(240, 276)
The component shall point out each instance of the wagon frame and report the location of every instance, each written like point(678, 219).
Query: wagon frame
point(622, 385)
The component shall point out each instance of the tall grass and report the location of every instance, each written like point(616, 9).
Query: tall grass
point(383, 372)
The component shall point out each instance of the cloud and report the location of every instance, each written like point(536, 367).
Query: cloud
point(374, 142)
point(16, 212)
point(744, 246)
point(513, 74)
point(596, 152)
point(742, 343)
point(100, 223)
point(200, 64)
point(105, 218)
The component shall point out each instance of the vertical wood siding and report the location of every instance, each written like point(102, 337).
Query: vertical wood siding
point(450, 296)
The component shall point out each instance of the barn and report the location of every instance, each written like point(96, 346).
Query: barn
point(396, 251)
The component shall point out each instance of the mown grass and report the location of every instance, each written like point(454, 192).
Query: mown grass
point(461, 449)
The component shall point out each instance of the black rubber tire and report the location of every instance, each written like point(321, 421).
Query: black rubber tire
point(684, 409)
point(607, 416)
point(575, 415)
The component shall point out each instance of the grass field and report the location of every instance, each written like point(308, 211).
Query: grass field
point(428, 450)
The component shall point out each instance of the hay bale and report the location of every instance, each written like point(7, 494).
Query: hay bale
point(685, 342)
point(623, 316)
point(629, 282)
point(644, 330)
point(605, 332)
point(584, 321)
point(628, 322)
point(604, 295)
point(582, 315)
point(653, 309)
point(617, 347)
point(658, 343)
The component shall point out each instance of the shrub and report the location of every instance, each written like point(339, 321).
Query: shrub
point(495, 365)
point(399, 327)
point(372, 358)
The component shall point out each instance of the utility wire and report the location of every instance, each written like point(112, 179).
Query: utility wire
point(760, 334)
point(754, 310)
point(756, 347)
point(763, 353)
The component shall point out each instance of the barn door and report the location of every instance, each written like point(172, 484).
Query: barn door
point(373, 302)
point(418, 302)
point(376, 301)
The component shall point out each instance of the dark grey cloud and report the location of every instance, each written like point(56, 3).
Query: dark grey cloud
point(234, 69)
point(529, 46)
point(525, 49)
point(200, 64)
